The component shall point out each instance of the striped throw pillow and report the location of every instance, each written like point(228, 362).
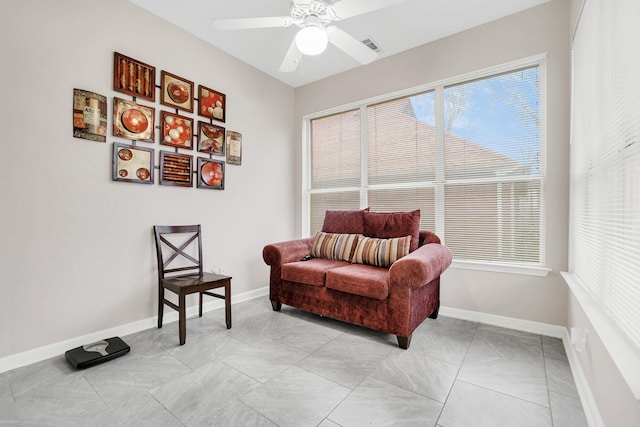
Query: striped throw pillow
point(381, 252)
point(334, 246)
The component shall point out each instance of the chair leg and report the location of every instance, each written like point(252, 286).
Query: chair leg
point(227, 304)
point(182, 319)
point(200, 312)
point(160, 306)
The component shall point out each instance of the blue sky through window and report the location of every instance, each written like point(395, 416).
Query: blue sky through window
point(501, 113)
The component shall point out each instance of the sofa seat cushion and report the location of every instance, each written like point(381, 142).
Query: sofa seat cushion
point(363, 280)
point(311, 272)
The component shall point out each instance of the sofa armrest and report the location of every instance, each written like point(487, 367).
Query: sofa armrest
point(421, 266)
point(277, 254)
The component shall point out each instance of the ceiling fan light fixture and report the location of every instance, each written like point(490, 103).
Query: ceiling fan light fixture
point(312, 38)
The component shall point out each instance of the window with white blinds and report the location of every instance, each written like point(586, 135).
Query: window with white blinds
point(401, 156)
point(468, 154)
point(605, 161)
point(493, 174)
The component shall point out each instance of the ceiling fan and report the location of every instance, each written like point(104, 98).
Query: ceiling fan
point(313, 17)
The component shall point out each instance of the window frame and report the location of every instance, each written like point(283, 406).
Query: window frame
point(538, 269)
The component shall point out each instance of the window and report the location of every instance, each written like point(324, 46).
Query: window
point(493, 182)
point(468, 154)
point(604, 245)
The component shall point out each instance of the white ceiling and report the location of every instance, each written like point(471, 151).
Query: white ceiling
point(394, 29)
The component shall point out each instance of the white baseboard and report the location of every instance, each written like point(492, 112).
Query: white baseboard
point(505, 322)
point(584, 391)
point(589, 405)
point(56, 349)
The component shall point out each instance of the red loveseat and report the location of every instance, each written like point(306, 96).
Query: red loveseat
point(344, 282)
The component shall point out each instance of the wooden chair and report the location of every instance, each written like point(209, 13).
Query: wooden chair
point(185, 259)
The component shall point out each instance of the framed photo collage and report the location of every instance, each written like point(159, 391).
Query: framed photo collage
point(182, 127)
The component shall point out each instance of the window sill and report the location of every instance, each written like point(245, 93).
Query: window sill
point(502, 268)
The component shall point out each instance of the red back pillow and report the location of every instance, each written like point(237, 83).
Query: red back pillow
point(387, 225)
point(344, 221)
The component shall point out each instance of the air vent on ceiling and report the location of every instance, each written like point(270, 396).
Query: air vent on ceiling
point(371, 44)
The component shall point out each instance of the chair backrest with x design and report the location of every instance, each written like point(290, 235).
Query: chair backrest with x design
point(178, 257)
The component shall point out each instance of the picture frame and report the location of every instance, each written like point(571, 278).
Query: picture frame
point(211, 138)
point(89, 115)
point(132, 163)
point(134, 77)
point(133, 121)
point(211, 174)
point(212, 104)
point(176, 169)
point(234, 148)
point(176, 91)
point(176, 130)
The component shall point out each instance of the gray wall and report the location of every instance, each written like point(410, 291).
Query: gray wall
point(77, 249)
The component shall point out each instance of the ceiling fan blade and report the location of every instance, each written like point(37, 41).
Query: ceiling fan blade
point(350, 45)
point(291, 59)
point(348, 8)
point(249, 23)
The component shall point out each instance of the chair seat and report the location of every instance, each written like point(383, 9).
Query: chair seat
point(191, 283)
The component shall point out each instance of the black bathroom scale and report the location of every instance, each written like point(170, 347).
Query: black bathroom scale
point(92, 354)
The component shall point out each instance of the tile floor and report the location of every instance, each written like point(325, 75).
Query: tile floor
point(296, 369)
